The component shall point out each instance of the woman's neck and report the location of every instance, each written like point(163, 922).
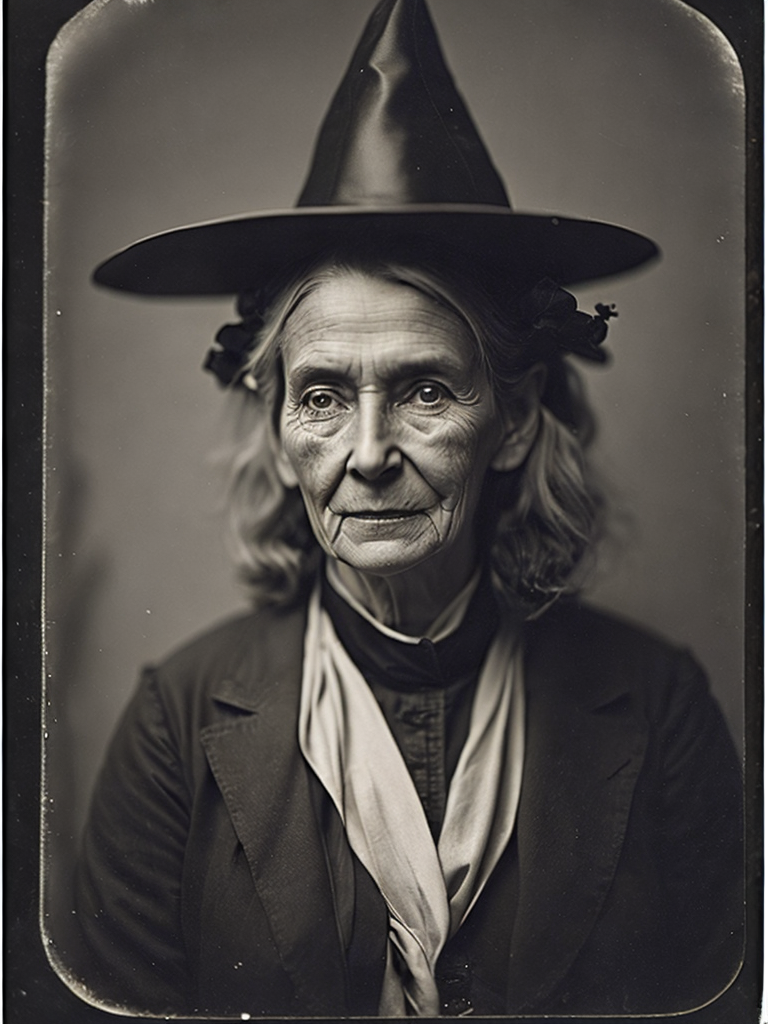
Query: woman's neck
point(408, 602)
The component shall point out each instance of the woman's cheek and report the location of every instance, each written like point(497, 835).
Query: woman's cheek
point(315, 460)
point(448, 457)
point(300, 443)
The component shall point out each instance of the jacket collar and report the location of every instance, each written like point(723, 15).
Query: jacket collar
point(255, 759)
point(584, 749)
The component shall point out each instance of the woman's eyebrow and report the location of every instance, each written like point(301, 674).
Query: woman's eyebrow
point(427, 366)
point(309, 373)
point(390, 372)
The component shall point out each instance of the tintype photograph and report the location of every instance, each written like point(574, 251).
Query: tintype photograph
point(394, 550)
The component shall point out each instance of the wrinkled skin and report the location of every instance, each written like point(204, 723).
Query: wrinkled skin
point(388, 427)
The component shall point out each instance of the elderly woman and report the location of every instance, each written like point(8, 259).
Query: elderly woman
point(419, 778)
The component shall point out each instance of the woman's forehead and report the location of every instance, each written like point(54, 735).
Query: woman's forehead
point(355, 313)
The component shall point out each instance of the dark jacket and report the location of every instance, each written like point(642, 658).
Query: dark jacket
point(204, 886)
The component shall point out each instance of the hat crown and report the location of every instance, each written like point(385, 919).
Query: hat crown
point(397, 131)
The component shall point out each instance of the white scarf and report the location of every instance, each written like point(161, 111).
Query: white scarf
point(429, 890)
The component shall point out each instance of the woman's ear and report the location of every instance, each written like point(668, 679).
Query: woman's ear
point(521, 424)
point(285, 471)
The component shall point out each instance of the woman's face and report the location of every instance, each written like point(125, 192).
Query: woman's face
point(388, 426)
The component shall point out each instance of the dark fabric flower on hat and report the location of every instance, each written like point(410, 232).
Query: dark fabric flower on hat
point(553, 313)
point(235, 342)
point(227, 357)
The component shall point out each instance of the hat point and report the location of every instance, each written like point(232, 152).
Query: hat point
point(397, 130)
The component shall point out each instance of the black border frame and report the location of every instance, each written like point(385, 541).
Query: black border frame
point(33, 992)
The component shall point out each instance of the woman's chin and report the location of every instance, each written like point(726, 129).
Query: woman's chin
point(386, 554)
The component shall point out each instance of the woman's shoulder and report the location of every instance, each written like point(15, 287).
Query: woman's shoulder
point(581, 624)
point(606, 651)
point(235, 654)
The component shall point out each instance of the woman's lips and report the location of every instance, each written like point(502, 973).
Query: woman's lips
point(378, 514)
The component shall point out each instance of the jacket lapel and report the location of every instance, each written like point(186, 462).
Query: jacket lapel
point(584, 749)
point(255, 759)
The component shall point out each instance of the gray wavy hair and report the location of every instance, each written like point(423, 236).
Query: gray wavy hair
point(536, 524)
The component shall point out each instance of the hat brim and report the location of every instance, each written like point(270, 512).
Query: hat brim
point(233, 255)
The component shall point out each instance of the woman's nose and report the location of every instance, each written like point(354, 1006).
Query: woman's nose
point(374, 448)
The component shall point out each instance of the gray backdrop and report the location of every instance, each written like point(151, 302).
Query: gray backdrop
point(173, 111)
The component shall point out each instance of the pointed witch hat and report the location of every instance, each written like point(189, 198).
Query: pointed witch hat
point(398, 165)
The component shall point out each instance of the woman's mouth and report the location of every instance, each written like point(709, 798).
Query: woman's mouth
point(376, 515)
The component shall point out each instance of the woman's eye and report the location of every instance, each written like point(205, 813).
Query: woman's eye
point(320, 402)
point(428, 394)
